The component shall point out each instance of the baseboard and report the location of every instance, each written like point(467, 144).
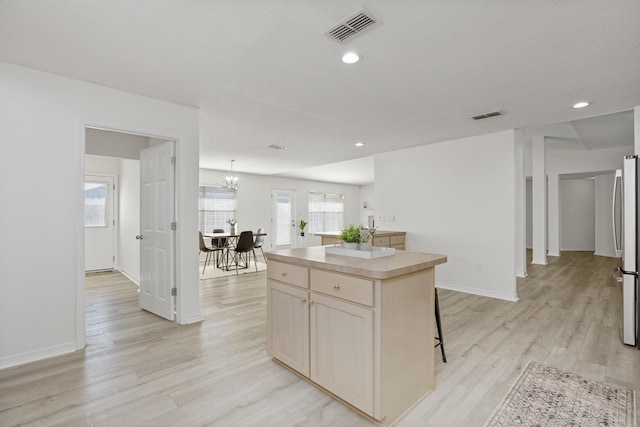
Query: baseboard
point(606, 255)
point(190, 319)
point(36, 355)
point(128, 276)
point(475, 291)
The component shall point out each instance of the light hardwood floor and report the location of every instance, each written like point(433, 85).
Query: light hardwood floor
point(140, 370)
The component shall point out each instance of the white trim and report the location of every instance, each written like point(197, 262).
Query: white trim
point(80, 153)
point(187, 320)
point(475, 291)
point(36, 355)
point(128, 276)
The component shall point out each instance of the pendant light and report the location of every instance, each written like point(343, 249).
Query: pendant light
point(231, 181)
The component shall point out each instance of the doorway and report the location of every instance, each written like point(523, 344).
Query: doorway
point(146, 166)
point(283, 214)
point(99, 222)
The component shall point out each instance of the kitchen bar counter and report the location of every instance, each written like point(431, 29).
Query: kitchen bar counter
point(360, 329)
point(380, 268)
point(389, 239)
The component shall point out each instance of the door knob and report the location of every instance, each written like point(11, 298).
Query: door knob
point(139, 237)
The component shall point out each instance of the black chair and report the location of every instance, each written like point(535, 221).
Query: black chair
point(244, 246)
point(208, 250)
point(439, 338)
point(219, 242)
point(258, 242)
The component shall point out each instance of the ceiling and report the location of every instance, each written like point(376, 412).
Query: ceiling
point(264, 72)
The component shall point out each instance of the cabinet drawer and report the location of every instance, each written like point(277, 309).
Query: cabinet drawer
point(341, 286)
point(398, 239)
point(287, 273)
point(381, 241)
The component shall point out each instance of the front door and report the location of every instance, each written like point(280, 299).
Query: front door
point(157, 226)
point(99, 222)
point(283, 219)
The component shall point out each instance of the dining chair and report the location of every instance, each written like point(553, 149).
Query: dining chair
point(258, 242)
point(244, 246)
point(208, 250)
point(219, 242)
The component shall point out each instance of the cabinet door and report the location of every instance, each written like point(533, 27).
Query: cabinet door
point(342, 350)
point(288, 325)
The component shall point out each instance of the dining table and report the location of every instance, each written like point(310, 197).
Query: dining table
point(232, 240)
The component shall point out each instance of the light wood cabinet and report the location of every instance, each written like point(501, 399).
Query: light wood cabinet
point(385, 239)
point(341, 350)
point(360, 329)
point(288, 319)
point(390, 240)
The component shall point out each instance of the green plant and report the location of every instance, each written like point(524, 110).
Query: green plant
point(351, 234)
point(302, 224)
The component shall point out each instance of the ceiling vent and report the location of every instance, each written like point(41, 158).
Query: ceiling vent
point(352, 26)
point(487, 115)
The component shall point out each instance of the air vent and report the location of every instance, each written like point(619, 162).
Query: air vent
point(278, 147)
point(352, 26)
point(487, 115)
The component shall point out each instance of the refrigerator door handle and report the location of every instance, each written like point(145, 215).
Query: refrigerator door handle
point(617, 245)
point(630, 273)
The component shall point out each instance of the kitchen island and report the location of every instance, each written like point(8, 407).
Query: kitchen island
point(361, 329)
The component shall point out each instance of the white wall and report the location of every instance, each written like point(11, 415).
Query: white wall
point(458, 199)
point(115, 144)
point(577, 215)
point(43, 133)
point(254, 201)
point(368, 197)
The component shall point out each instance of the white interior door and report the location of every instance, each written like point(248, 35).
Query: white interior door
point(283, 219)
point(99, 222)
point(157, 234)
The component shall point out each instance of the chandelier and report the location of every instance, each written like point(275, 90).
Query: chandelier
point(231, 181)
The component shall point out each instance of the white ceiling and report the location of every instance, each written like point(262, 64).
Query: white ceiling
point(263, 72)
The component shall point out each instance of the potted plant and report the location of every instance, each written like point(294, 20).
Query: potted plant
point(302, 225)
point(350, 237)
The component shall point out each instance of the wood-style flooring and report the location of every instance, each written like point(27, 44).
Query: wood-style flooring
point(140, 370)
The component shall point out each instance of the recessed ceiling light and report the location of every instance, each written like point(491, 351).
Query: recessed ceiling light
point(581, 104)
point(350, 58)
point(359, 144)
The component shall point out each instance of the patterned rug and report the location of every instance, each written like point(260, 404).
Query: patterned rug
point(545, 396)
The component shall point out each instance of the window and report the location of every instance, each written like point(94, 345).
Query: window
point(325, 212)
point(95, 204)
point(216, 205)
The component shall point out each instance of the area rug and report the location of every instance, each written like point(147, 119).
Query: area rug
point(545, 396)
point(211, 272)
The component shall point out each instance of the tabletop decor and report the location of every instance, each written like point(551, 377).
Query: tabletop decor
point(232, 225)
point(546, 396)
point(358, 242)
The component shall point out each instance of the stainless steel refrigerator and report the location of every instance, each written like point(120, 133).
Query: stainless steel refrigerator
point(626, 227)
